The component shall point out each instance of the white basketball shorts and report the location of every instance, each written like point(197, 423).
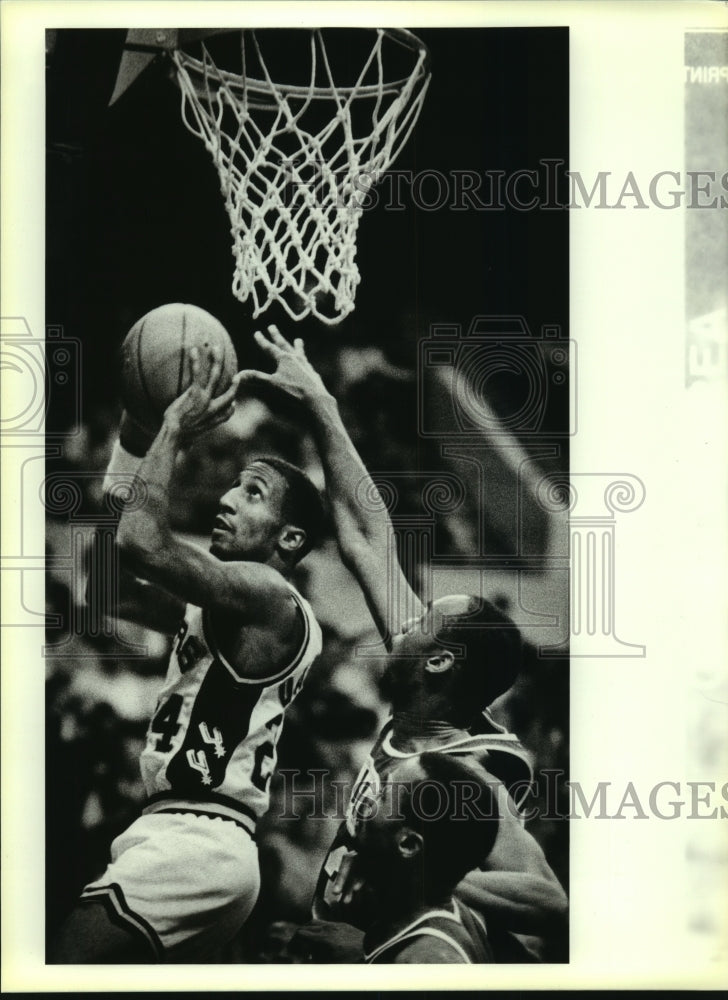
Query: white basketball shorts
point(185, 881)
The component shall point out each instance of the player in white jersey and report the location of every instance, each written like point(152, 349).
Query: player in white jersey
point(184, 877)
point(447, 663)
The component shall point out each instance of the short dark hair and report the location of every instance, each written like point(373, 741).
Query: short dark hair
point(493, 651)
point(303, 505)
point(457, 839)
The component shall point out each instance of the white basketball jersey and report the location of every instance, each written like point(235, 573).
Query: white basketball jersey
point(211, 745)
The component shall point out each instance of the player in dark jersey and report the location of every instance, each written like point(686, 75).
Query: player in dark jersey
point(446, 665)
point(184, 877)
point(416, 840)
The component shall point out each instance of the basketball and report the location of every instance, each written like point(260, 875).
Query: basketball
point(153, 372)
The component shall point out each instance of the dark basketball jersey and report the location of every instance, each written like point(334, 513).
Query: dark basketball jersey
point(462, 930)
point(500, 752)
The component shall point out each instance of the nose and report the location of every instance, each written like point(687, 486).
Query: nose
point(226, 505)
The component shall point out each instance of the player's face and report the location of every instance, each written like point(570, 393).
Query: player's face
point(416, 643)
point(250, 515)
point(379, 827)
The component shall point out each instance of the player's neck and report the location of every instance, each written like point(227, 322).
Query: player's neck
point(411, 725)
point(275, 562)
point(403, 908)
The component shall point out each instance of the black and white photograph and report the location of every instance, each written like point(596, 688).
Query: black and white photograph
point(338, 571)
point(330, 458)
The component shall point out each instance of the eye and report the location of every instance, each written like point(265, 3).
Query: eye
point(254, 491)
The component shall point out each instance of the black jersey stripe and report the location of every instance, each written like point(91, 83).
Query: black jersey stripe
point(223, 704)
point(119, 912)
point(260, 681)
point(208, 813)
point(214, 798)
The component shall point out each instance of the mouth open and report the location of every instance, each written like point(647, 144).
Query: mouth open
point(220, 525)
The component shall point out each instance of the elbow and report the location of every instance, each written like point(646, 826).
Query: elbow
point(550, 905)
point(559, 903)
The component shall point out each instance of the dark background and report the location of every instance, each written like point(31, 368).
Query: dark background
point(135, 219)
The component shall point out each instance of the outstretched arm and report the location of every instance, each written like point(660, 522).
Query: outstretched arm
point(246, 589)
point(363, 526)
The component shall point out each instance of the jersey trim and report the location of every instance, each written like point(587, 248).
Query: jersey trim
point(260, 681)
point(491, 721)
point(503, 742)
point(176, 810)
point(479, 919)
point(414, 930)
point(118, 911)
point(465, 743)
point(216, 806)
point(420, 932)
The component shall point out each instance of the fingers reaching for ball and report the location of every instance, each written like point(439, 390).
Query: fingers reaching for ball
point(207, 378)
point(294, 376)
point(198, 409)
point(275, 344)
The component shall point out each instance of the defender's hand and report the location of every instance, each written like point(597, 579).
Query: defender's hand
point(348, 882)
point(198, 409)
point(294, 376)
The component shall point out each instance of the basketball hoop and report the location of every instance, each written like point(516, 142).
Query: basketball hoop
point(292, 159)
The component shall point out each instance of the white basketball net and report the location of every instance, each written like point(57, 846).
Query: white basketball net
point(294, 190)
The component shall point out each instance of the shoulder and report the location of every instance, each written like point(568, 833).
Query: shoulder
point(264, 597)
point(427, 949)
point(283, 635)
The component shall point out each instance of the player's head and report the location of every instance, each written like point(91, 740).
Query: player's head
point(454, 660)
point(433, 821)
point(272, 508)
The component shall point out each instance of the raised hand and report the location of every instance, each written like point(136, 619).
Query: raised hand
point(198, 409)
point(349, 880)
point(294, 376)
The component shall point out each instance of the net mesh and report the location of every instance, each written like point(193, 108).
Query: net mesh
point(295, 164)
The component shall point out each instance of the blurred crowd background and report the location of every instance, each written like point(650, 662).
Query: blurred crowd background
point(104, 675)
point(135, 219)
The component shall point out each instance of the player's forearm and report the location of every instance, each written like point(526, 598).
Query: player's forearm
point(357, 512)
point(364, 529)
point(520, 901)
point(145, 531)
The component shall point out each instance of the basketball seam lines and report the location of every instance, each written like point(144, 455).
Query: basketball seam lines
point(140, 369)
point(182, 354)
